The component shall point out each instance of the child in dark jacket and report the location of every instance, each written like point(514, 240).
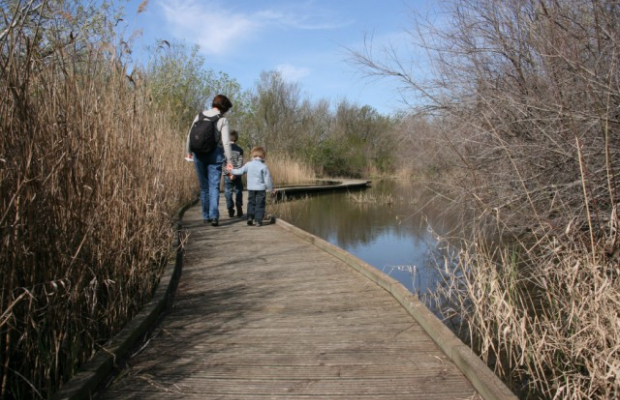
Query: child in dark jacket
point(259, 182)
point(233, 185)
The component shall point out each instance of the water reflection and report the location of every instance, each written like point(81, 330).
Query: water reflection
point(391, 232)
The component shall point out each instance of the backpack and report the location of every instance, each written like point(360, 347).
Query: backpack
point(203, 137)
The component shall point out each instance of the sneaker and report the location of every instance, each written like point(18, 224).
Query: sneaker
point(250, 222)
point(207, 221)
point(214, 222)
point(231, 212)
point(259, 223)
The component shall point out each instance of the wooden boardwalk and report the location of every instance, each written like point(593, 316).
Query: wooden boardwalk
point(261, 314)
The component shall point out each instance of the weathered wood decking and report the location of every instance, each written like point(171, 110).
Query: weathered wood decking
point(262, 314)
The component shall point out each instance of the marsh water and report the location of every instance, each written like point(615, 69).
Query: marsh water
point(392, 225)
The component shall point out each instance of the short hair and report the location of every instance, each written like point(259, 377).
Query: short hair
point(222, 103)
point(258, 152)
point(234, 135)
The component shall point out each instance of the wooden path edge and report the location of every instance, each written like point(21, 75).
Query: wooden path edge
point(91, 375)
point(488, 385)
point(94, 372)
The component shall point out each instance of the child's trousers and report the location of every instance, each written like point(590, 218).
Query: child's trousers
point(233, 191)
point(256, 204)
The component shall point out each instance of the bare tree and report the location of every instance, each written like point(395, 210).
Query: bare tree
point(524, 96)
point(522, 80)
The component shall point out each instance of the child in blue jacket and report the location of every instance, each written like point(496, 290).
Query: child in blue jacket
point(258, 181)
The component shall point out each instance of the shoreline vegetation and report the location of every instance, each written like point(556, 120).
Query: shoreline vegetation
point(520, 132)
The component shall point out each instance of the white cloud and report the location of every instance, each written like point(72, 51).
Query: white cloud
point(217, 30)
point(302, 17)
point(213, 29)
point(291, 73)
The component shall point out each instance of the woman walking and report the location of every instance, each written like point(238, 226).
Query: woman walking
point(208, 159)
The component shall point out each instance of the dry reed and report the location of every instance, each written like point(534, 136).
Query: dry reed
point(544, 313)
point(88, 185)
point(288, 171)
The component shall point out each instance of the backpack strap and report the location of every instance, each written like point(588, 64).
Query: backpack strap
point(215, 119)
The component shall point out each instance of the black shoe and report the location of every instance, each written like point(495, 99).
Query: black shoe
point(239, 211)
point(250, 222)
point(207, 221)
point(214, 222)
point(231, 212)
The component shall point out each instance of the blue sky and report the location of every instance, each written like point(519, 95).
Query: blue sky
point(305, 40)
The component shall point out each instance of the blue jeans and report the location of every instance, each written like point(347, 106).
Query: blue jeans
point(233, 187)
point(209, 172)
point(256, 205)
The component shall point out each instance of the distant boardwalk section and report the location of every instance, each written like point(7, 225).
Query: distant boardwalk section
point(322, 186)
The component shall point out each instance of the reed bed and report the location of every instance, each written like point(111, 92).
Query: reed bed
point(543, 312)
point(372, 198)
point(288, 171)
point(88, 185)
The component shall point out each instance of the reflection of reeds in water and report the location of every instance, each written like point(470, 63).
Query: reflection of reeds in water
point(281, 209)
point(412, 270)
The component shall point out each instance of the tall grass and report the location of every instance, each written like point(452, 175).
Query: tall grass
point(288, 171)
point(544, 314)
point(87, 186)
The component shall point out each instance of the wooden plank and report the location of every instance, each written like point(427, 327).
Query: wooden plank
point(260, 313)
